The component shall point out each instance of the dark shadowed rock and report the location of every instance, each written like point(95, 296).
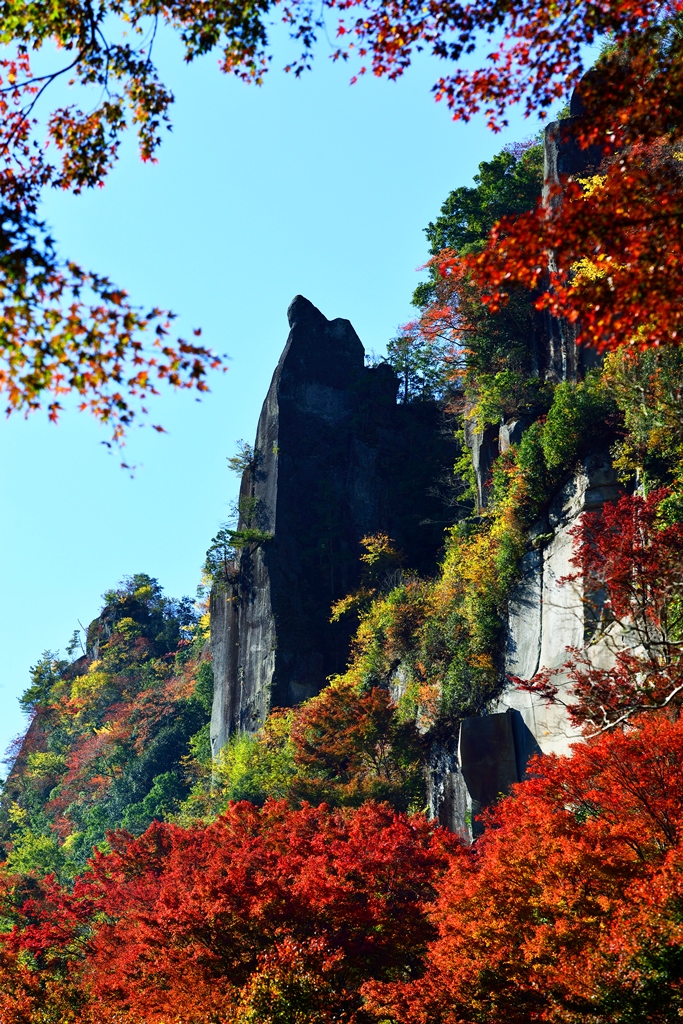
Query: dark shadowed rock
point(336, 460)
point(565, 158)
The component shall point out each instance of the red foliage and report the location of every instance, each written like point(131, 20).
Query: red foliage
point(180, 920)
point(353, 747)
point(606, 258)
point(568, 908)
point(41, 952)
point(627, 233)
point(630, 565)
point(535, 52)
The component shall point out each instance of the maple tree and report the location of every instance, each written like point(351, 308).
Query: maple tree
point(68, 330)
point(353, 746)
point(567, 909)
point(261, 905)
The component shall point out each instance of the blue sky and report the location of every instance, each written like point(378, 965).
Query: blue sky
point(304, 186)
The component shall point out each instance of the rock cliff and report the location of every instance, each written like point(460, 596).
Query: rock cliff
point(545, 617)
point(470, 770)
point(335, 459)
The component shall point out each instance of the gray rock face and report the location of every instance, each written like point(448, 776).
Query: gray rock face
point(336, 460)
point(564, 158)
point(448, 799)
point(546, 616)
point(525, 612)
point(484, 446)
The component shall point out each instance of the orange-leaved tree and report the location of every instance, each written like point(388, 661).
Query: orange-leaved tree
point(568, 908)
point(352, 745)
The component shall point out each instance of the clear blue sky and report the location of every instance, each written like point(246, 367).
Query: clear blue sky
point(309, 186)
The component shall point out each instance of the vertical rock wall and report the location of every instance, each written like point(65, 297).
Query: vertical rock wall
point(335, 460)
point(545, 617)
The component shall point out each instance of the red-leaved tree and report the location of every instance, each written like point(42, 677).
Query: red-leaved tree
point(69, 330)
point(568, 908)
point(206, 923)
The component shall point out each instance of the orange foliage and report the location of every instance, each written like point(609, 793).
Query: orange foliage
point(567, 909)
point(352, 746)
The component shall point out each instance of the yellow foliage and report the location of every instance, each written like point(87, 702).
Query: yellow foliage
point(589, 270)
point(71, 842)
point(17, 815)
point(378, 546)
point(45, 764)
point(352, 602)
point(87, 688)
point(204, 626)
point(128, 627)
point(591, 184)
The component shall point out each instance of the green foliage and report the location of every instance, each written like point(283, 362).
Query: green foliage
point(221, 567)
point(250, 767)
point(45, 674)
point(35, 853)
point(421, 367)
point(115, 735)
point(256, 767)
point(162, 801)
point(448, 634)
point(529, 457)
point(246, 457)
point(510, 183)
point(507, 394)
point(580, 413)
point(249, 535)
point(203, 689)
point(220, 564)
point(648, 389)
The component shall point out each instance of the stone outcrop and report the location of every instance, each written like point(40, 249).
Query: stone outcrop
point(335, 459)
point(545, 617)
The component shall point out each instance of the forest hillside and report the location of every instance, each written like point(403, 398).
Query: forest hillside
point(336, 856)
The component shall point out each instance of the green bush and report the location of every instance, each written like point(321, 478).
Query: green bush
point(580, 414)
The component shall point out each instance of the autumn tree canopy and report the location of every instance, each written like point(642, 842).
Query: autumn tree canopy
point(68, 330)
